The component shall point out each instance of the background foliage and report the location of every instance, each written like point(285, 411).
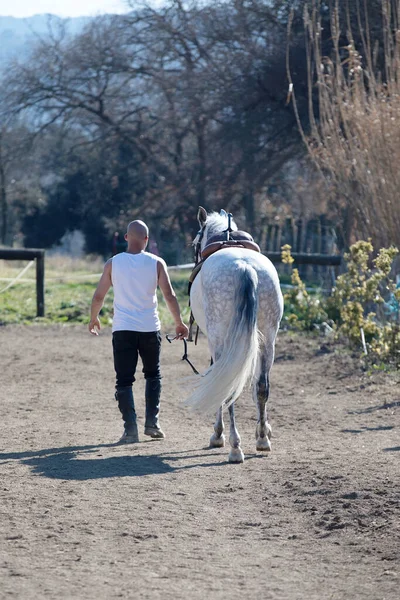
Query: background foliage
point(152, 113)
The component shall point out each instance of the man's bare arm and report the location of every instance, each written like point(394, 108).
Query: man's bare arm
point(170, 298)
point(98, 298)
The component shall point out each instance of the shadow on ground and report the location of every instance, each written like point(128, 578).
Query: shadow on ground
point(66, 463)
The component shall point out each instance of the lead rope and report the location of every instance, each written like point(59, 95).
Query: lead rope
point(185, 357)
point(191, 323)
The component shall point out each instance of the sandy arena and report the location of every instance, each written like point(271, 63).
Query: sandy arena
point(83, 518)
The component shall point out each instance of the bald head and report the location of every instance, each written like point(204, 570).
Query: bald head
point(137, 235)
point(138, 230)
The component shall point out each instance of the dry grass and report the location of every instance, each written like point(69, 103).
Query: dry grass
point(57, 267)
point(69, 287)
point(355, 141)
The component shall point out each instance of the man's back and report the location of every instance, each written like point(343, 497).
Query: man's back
point(134, 279)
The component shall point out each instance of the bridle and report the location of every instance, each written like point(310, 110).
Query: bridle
point(200, 235)
point(199, 238)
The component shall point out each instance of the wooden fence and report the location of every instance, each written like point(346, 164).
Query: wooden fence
point(315, 236)
point(30, 254)
point(313, 243)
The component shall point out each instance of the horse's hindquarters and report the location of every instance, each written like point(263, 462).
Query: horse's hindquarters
point(229, 299)
point(221, 278)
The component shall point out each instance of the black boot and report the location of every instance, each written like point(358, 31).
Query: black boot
point(153, 393)
point(124, 397)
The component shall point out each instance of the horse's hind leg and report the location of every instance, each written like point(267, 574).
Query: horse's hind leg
point(261, 393)
point(235, 455)
point(217, 440)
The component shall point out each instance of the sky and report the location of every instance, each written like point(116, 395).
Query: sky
point(62, 8)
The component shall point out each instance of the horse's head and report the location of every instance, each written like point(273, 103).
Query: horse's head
point(210, 224)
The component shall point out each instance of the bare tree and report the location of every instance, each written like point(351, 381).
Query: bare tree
point(16, 174)
point(187, 101)
point(219, 72)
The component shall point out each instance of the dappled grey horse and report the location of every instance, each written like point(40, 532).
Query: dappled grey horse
point(237, 302)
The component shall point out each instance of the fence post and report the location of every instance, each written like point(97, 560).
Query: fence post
point(298, 244)
point(324, 241)
point(299, 236)
point(40, 284)
point(316, 241)
point(263, 236)
point(277, 238)
point(268, 245)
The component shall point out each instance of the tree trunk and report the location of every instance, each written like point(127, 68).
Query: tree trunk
point(3, 201)
point(201, 147)
point(250, 212)
point(250, 202)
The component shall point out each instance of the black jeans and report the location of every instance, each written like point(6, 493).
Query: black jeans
point(127, 347)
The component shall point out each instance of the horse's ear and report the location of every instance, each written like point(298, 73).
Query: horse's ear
point(222, 213)
point(202, 216)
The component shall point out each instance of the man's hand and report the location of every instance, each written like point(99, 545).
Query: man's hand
point(94, 323)
point(181, 331)
point(98, 298)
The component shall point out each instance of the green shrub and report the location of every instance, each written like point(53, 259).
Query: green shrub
point(357, 297)
point(303, 311)
point(352, 310)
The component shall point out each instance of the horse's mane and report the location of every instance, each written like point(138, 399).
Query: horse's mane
point(216, 223)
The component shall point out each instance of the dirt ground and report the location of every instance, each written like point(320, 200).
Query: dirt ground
point(83, 518)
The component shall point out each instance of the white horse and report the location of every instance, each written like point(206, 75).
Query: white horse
point(237, 302)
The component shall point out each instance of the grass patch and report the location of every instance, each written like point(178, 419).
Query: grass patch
point(69, 287)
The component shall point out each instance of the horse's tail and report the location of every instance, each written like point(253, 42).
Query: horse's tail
point(235, 361)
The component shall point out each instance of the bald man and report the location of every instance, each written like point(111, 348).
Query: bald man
point(135, 275)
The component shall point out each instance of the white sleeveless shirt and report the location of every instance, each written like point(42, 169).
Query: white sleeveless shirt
point(135, 279)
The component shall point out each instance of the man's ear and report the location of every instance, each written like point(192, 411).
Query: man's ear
point(126, 237)
point(202, 216)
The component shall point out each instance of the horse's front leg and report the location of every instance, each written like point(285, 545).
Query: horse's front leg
point(217, 440)
point(235, 455)
point(263, 430)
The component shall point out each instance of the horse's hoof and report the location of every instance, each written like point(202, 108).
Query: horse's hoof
point(236, 456)
point(263, 445)
point(217, 442)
